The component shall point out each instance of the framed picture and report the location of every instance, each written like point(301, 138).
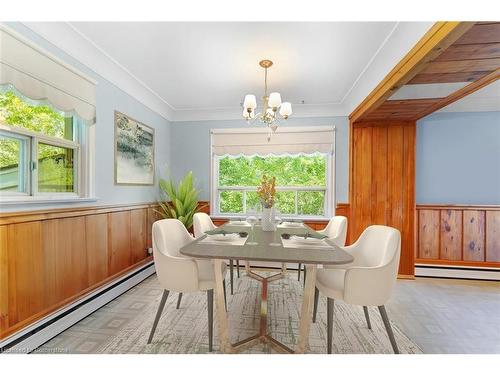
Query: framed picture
point(134, 152)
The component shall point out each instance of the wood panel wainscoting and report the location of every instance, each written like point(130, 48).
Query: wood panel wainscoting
point(461, 235)
point(51, 258)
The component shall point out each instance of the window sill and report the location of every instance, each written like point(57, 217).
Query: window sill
point(301, 218)
point(42, 200)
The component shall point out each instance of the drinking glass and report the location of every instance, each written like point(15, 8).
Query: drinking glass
point(252, 220)
point(277, 221)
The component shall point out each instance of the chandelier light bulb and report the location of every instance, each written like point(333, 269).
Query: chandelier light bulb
point(286, 109)
point(274, 100)
point(250, 102)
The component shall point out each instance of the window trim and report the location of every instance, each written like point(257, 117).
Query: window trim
point(330, 189)
point(83, 158)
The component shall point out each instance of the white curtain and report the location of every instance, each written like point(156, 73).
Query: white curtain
point(286, 140)
point(40, 76)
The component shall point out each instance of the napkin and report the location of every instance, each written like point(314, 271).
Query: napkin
point(316, 235)
point(219, 231)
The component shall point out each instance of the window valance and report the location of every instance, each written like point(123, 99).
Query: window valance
point(40, 76)
point(286, 140)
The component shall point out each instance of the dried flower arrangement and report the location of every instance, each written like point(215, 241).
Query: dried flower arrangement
point(267, 191)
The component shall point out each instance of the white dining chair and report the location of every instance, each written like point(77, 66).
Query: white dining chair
point(202, 223)
point(336, 231)
point(179, 273)
point(367, 281)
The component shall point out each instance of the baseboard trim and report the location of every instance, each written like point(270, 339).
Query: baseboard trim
point(36, 334)
point(458, 272)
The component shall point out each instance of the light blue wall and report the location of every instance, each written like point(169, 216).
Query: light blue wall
point(458, 158)
point(108, 99)
point(190, 143)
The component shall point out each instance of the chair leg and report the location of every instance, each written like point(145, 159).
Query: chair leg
point(231, 273)
point(367, 316)
point(158, 314)
point(225, 299)
point(179, 301)
point(329, 325)
point(387, 324)
point(298, 271)
point(315, 308)
point(210, 303)
point(238, 268)
point(305, 275)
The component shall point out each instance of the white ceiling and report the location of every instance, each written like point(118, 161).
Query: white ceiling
point(213, 65)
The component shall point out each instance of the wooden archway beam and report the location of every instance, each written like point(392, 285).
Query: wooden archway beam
point(440, 36)
point(457, 95)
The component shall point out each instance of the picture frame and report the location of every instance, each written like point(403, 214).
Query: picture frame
point(134, 152)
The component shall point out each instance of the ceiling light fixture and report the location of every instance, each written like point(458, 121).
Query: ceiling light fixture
point(270, 105)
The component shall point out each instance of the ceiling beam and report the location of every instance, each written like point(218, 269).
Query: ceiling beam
point(434, 42)
point(457, 95)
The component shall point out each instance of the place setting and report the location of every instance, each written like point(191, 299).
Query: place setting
point(221, 236)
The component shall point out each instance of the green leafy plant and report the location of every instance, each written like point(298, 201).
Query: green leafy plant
point(180, 202)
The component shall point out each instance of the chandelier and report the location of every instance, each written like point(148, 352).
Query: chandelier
point(271, 103)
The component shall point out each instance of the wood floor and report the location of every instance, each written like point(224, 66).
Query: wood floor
point(448, 316)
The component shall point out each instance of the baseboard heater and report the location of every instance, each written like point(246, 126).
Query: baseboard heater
point(38, 333)
point(457, 272)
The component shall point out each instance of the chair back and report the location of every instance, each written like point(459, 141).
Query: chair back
point(336, 230)
point(202, 223)
point(175, 271)
point(379, 246)
point(377, 255)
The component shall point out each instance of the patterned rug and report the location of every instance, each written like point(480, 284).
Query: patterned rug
point(123, 325)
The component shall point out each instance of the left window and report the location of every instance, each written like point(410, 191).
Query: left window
point(41, 150)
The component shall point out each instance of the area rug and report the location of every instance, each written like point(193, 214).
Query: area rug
point(123, 325)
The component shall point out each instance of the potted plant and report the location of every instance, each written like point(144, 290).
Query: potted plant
point(180, 202)
point(267, 193)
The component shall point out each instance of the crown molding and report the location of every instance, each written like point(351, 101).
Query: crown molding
point(234, 113)
point(65, 37)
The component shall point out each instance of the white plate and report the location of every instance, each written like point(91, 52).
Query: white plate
point(221, 237)
point(239, 222)
point(291, 224)
point(306, 241)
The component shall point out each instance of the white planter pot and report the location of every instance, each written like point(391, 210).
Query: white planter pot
point(267, 220)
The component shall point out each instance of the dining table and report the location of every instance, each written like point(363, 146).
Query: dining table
point(254, 244)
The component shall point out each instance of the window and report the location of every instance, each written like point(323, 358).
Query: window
point(301, 180)
point(41, 150)
point(301, 158)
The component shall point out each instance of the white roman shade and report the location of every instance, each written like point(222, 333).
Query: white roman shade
point(40, 76)
point(286, 140)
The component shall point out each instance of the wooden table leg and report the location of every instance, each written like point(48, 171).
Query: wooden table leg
point(225, 345)
point(305, 315)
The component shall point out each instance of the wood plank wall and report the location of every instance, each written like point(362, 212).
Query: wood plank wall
point(382, 182)
point(51, 258)
point(458, 235)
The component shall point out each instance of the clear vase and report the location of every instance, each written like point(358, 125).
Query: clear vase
point(267, 220)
